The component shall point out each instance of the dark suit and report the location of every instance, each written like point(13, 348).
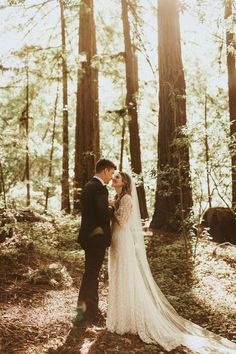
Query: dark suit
point(94, 237)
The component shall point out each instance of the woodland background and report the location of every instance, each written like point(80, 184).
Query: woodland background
point(150, 85)
point(49, 125)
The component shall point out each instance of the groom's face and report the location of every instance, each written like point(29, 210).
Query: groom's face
point(117, 180)
point(108, 174)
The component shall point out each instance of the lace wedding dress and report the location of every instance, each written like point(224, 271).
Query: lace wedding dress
point(135, 302)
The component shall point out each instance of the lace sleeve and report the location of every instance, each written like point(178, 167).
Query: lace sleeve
point(123, 212)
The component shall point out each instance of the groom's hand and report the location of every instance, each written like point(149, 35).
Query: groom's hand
point(111, 203)
point(111, 210)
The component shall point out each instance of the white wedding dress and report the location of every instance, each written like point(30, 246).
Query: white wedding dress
point(135, 302)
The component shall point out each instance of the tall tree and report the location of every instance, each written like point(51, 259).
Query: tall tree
point(65, 195)
point(87, 115)
point(2, 186)
point(122, 144)
point(207, 162)
point(52, 148)
point(231, 47)
point(131, 103)
point(25, 122)
point(173, 199)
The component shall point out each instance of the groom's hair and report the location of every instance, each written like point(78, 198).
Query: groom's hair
point(104, 163)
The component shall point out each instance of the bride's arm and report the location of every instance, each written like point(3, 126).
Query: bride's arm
point(122, 214)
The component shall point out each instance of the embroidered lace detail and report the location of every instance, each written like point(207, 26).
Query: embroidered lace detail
point(123, 212)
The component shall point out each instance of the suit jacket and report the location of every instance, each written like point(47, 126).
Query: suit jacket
point(95, 230)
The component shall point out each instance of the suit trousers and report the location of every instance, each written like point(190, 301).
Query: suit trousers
point(88, 294)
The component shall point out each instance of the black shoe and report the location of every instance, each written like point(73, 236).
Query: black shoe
point(99, 319)
point(81, 319)
point(81, 323)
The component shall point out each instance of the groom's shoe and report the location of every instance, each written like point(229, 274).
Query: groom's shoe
point(98, 319)
point(81, 319)
point(81, 323)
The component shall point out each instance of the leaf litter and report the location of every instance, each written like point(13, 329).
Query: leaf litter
point(40, 274)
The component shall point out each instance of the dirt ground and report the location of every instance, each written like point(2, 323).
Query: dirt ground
point(36, 317)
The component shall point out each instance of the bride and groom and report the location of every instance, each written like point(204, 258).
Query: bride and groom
point(135, 302)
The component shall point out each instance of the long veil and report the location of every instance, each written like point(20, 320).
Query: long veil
point(167, 327)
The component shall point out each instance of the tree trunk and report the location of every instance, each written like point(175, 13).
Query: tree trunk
point(87, 114)
point(131, 103)
point(209, 197)
point(2, 186)
point(52, 148)
point(122, 144)
point(65, 193)
point(27, 172)
point(230, 43)
point(173, 197)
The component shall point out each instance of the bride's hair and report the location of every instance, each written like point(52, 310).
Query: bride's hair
point(126, 189)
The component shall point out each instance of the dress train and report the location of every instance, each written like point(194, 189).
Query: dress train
point(135, 302)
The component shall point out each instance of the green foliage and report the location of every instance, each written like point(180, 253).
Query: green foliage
point(219, 159)
point(15, 2)
point(203, 51)
point(57, 238)
point(54, 274)
point(166, 180)
point(7, 224)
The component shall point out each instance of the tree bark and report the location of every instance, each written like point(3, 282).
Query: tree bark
point(2, 185)
point(122, 143)
point(173, 197)
point(52, 148)
point(87, 114)
point(65, 193)
point(231, 47)
point(209, 196)
point(131, 103)
point(27, 172)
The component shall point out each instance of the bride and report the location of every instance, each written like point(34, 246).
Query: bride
point(135, 302)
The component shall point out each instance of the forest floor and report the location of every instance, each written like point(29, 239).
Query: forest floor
point(40, 272)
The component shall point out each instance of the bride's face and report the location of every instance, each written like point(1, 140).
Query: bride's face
point(117, 181)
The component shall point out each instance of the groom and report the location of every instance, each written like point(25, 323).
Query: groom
point(94, 238)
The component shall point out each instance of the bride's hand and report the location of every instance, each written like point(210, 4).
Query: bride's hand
point(111, 203)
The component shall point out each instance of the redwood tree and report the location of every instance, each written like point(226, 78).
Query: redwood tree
point(2, 186)
point(173, 197)
point(87, 118)
point(52, 148)
point(65, 199)
point(230, 43)
point(25, 122)
point(131, 104)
